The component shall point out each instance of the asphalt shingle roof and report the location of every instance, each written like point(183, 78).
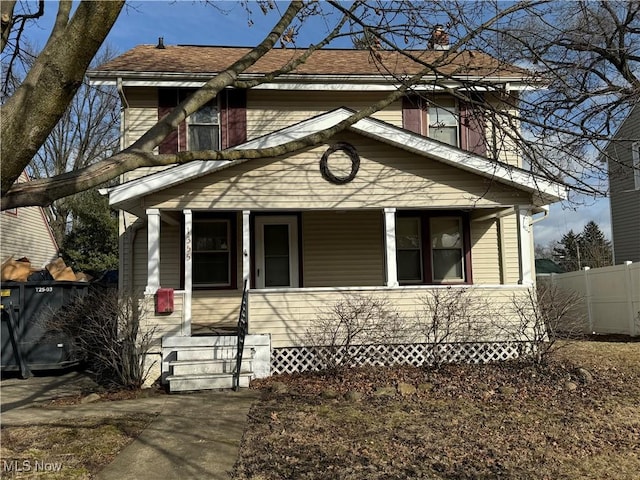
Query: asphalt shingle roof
point(212, 59)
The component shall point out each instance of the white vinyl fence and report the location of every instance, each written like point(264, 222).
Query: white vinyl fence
point(611, 297)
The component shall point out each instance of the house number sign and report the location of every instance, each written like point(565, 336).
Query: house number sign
point(351, 152)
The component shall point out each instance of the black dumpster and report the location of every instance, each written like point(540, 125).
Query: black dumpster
point(27, 308)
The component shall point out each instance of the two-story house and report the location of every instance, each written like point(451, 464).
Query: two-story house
point(401, 203)
point(623, 158)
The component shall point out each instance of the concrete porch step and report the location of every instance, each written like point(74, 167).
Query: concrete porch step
point(197, 367)
point(211, 381)
point(210, 353)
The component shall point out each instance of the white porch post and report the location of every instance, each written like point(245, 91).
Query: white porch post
point(153, 251)
point(525, 240)
point(390, 243)
point(188, 272)
point(246, 248)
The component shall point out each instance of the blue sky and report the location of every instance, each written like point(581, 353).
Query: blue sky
point(192, 22)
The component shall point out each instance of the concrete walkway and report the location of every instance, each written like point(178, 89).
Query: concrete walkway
point(195, 435)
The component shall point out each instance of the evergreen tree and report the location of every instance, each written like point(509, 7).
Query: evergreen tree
point(595, 249)
point(92, 244)
point(568, 252)
point(590, 248)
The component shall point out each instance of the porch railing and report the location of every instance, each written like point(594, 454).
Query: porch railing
point(243, 327)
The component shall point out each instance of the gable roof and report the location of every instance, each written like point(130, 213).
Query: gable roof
point(546, 191)
point(192, 61)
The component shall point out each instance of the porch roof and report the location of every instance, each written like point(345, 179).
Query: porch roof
point(544, 191)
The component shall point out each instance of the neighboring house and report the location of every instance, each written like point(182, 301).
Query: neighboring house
point(26, 233)
point(623, 157)
point(400, 204)
point(545, 266)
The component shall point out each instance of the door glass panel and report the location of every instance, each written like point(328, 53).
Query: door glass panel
point(276, 256)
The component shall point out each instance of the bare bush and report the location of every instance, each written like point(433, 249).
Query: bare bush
point(340, 333)
point(450, 315)
point(545, 315)
point(106, 330)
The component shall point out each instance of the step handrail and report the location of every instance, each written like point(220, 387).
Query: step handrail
point(243, 327)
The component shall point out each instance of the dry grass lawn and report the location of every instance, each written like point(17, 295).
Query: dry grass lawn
point(507, 421)
point(67, 450)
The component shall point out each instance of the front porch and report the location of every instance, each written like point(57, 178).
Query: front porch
point(206, 256)
point(317, 258)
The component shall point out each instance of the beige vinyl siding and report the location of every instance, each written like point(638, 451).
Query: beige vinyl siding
point(287, 316)
point(25, 233)
point(388, 177)
point(165, 324)
point(211, 309)
point(271, 110)
point(140, 115)
point(485, 252)
point(511, 245)
point(506, 149)
point(343, 248)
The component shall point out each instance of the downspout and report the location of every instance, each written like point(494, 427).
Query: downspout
point(545, 210)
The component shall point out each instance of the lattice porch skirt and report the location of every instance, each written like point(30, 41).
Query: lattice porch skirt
point(308, 359)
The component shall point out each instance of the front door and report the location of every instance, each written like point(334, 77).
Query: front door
point(276, 251)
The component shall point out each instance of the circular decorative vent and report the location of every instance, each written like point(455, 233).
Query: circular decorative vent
point(351, 152)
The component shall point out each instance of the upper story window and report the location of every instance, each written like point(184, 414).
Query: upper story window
point(443, 121)
point(635, 157)
point(204, 129)
point(448, 120)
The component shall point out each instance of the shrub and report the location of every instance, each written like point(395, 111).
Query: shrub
point(340, 332)
point(106, 330)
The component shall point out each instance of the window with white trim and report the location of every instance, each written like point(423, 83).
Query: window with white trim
point(211, 252)
point(443, 120)
point(635, 157)
point(203, 131)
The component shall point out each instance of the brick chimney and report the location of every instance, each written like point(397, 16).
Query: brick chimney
point(439, 39)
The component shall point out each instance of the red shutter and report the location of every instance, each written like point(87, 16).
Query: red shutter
point(233, 117)
point(472, 130)
point(412, 114)
point(182, 128)
point(167, 100)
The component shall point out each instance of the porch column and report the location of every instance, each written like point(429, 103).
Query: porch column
point(525, 240)
point(153, 251)
point(246, 248)
point(390, 243)
point(188, 272)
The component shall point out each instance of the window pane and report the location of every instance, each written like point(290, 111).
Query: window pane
point(446, 233)
point(448, 135)
point(211, 268)
point(409, 265)
point(408, 232)
point(447, 264)
point(443, 121)
point(207, 114)
point(210, 236)
point(439, 117)
point(203, 137)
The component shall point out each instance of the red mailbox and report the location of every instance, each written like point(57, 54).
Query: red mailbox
point(164, 300)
